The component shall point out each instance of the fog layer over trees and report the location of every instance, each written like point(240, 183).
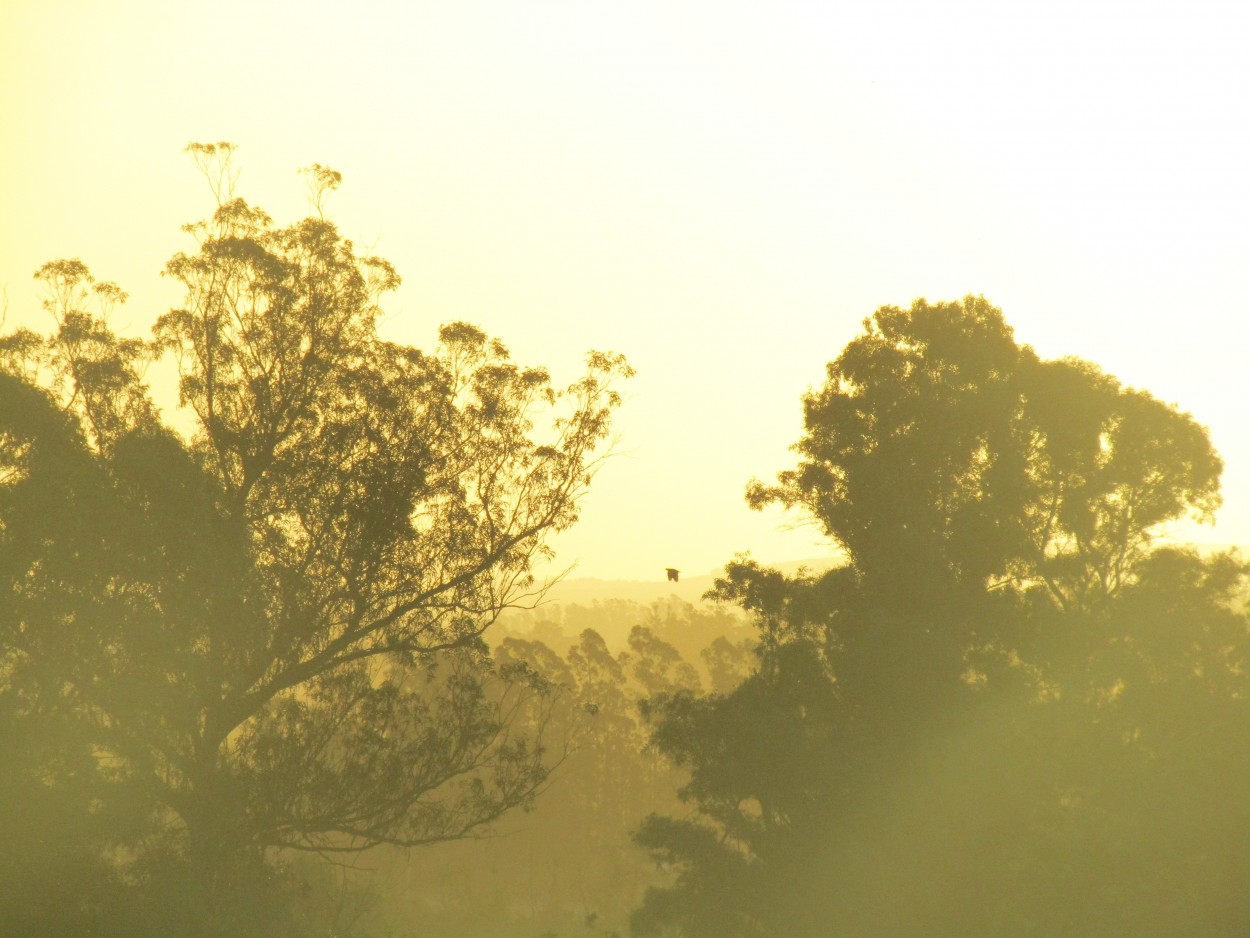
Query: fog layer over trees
point(247, 668)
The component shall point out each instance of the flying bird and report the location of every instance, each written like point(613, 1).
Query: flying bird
point(672, 574)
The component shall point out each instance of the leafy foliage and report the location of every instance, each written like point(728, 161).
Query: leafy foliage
point(941, 453)
point(1007, 694)
point(267, 634)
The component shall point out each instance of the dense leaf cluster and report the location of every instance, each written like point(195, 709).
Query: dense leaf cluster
point(1010, 712)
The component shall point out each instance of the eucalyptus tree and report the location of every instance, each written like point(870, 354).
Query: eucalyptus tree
point(266, 614)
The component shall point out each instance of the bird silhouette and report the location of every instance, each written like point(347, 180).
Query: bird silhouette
point(673, 575)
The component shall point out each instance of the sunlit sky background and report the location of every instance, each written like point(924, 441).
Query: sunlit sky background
point(722, 191)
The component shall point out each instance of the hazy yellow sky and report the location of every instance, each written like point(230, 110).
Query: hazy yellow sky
point(722, 191)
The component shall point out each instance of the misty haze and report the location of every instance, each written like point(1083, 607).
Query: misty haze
point(673, 471)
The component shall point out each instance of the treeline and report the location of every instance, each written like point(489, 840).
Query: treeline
point(570, 865)
point(268, 677)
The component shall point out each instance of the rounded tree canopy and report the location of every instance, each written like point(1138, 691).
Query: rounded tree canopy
point(940, 449)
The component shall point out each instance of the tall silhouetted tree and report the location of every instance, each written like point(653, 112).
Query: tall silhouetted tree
point(267, 630)
point(919, 749)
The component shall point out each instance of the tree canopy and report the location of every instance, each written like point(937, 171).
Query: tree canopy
point(982, 710)
point(246, 630)
point(939, 450)
point(265, 633)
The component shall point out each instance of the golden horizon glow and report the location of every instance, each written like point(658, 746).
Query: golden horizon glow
point(720, 191)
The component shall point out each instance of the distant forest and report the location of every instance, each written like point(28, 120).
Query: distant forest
point(277, 666)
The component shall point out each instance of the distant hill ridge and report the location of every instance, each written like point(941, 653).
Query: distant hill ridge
point(586, 590)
